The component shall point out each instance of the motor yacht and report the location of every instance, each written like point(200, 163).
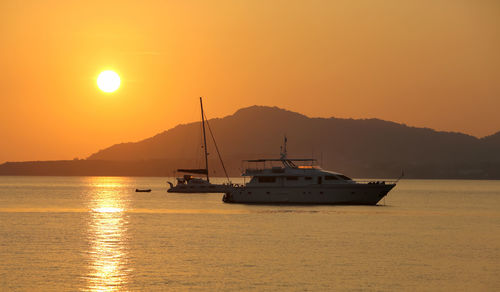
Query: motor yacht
point(290, 183)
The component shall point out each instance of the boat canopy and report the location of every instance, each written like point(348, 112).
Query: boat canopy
point(197, 170)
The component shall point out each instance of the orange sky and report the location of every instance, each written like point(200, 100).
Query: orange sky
point(433, 63)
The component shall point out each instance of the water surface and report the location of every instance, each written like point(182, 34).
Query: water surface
point(97, 234)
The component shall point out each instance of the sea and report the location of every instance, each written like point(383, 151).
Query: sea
point(98, 234)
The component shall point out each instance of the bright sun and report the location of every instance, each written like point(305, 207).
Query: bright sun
point(108, 81)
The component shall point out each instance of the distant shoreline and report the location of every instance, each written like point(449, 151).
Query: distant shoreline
point(167, 168)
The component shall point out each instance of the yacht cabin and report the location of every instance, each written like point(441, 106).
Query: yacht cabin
point(292, 175)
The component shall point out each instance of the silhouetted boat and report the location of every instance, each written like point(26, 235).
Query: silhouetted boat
point(289, 183)
point(143, 190)
point(190, 184)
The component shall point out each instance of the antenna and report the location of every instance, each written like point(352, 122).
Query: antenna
point(285, 146)
point(283, 151)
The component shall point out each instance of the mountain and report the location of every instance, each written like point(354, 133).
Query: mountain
point(492, 140)
point(368, 147)
point(357, 147)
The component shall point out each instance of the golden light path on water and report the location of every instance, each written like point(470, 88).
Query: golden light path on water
point(107, 235)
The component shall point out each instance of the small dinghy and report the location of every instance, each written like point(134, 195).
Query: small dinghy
point(143, 190)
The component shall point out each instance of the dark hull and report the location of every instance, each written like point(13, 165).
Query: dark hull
point(209, 188)
point(348, 194)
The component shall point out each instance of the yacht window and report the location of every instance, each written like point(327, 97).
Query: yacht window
point(344, 177)
point(267, 179)
point(308, 178)
point(331, 177)
point(292, 178)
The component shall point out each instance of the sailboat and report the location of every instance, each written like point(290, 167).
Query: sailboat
point(188, 183)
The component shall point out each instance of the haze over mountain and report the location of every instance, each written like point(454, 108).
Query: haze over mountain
point(357, 147)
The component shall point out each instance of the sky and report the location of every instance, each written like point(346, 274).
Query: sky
point(425, 63)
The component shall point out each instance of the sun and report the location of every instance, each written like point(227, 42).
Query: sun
point(108, 81)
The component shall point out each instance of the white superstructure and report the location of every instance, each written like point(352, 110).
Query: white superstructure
point(289, 183)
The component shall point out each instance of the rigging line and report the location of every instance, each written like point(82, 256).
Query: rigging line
point(204, 139)
point(216, 148)
point(199, 148)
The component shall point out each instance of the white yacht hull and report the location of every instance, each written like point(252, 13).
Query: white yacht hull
point(346, 194)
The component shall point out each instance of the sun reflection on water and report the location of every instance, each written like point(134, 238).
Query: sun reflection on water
point(107, 234)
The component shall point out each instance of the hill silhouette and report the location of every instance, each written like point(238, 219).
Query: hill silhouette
point(357, 147)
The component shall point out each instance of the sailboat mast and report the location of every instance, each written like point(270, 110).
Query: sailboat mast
point(204, 139)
